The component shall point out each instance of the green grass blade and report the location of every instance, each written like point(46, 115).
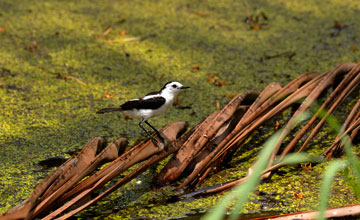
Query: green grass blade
point(243, 191)
point(325, 188)
point(348, 148)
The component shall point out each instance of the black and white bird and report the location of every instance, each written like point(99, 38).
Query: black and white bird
point(150, 105)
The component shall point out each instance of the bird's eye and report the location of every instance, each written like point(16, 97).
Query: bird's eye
point(174, 86)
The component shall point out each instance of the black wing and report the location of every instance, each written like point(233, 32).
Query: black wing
point(151, 103)
point(152, 93)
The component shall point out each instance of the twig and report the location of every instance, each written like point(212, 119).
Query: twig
point(64, 76)
point(345, 211)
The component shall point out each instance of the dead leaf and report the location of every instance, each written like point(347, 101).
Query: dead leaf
point(213, 79)
point(109, 95)
point(196, 67)
point(122, 32)
point(306, 167)
point(299, 195)
point(255, 27)
point(128, 39)
point(202, 14)
point(2, 29)
point(276, 126)
point(33, 46)
point(107, 30)
point(231, 95)
point(221, 83)
point(217, 105)
point(338, 25)
point(353, 48)
point(216, 81)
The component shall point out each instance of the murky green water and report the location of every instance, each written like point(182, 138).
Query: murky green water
point(43, 115)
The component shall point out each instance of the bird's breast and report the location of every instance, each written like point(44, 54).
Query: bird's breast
point(147, 113)
point(162, 109)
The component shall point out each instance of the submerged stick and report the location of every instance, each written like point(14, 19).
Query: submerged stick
point(142, 152)
point(173, 165)
point(111, 152)
point(247, 125)
point(173, 146)
point(54, 180)
point(198, 140)
point(202, 164)
point(337, 96)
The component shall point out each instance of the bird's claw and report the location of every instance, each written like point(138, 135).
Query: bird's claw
point(158, 144)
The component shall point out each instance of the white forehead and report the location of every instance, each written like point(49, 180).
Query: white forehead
point(171, 84)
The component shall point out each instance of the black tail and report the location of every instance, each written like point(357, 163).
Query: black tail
point(106, 110)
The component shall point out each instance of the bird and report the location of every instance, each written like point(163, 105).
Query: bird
point(151, 105)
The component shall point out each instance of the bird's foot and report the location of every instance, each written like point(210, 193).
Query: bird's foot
point(160, 142)
point(164, 141)
point(157, 143)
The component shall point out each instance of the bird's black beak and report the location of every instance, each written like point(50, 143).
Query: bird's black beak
point(184, 87)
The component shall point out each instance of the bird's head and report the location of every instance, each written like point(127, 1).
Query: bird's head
point(173, 88)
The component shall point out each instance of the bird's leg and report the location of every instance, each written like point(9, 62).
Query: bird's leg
point(156, 131)
point(152, 138)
